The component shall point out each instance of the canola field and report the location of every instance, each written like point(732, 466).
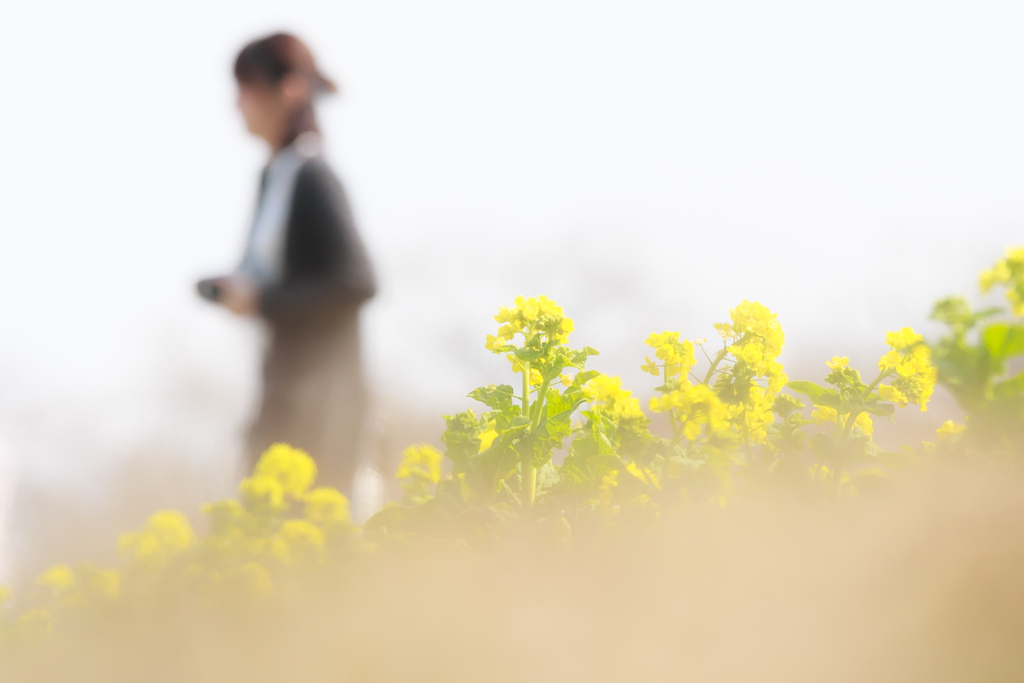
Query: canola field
point(742, 524)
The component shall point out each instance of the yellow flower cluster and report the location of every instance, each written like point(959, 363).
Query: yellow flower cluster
point(420, 470)
point(825, 414)
point(166, 534)
point(530, 317)
point(909, 360)
point(695, 406)
point(327, 507)
point(754, 416)
point(950, 429)
point(247, 541)
point(298, 540)
point(1007, 271)
point(544, 330)
point(738, 400)
point(757, 342)
point(677, 356)
point(837, 362)
point(68, 588)
point(282, 472)
point(83, 587)
point(606, 395)
point(250, 531)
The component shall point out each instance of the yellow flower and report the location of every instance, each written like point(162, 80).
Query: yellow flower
point(506, 332)
point(950, 429)
point(225, 515)
point(757, 342)
point(605, 394)
point(903, 339)
point(820, 472)
point(725, 330)
point(487, 437)
point(1008, 271)
point(422, 461)
point(677, 355)
point(530, 317)
point(530, 308)
point(825, 414)
point(864, 422)
point(1014, 255)
point(59, 578)
point(893, 394)
point(776, 377)
point(643, 474)
point(418, 473)
point(837, 362)
point(752, 352)
point(166, 534)
point(752, 318)
point(1002, 272)
point(695, 407)
point(986, 279)
point(326, 507)
point(262, 495)
point(291, 467)
point(910, 360)
point(298, 540)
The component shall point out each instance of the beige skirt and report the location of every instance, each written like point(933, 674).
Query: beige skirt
point(314, 396)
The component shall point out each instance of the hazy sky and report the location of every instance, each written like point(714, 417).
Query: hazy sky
point(648, 165)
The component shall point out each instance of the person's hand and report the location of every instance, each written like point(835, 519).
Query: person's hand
point(240, 295)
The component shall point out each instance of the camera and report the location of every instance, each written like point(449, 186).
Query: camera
point(210, 289)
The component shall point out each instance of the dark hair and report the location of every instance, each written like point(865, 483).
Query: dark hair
point(268, 60)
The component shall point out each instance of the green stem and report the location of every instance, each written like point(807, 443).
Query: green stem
point(538, 405)
point(848, 426)
point(718, 359)
point(527, 475)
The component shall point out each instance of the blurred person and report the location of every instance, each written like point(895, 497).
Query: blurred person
point(304, 271)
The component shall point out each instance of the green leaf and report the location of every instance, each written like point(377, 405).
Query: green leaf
point(547, 478)
point(957, 313)
point(822, 446)
point(883, 409)
point(496, 397)
point(1003, 340)
point(1010, 388)
point(820, 396)
point(529, 355)
point(389, 516)
point(584, 377)
point(988, 312)
point(572, 472)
